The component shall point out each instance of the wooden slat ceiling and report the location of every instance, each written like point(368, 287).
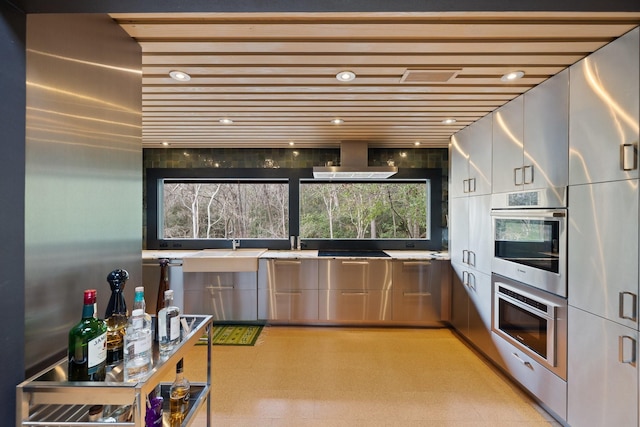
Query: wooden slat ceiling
point(273, 75)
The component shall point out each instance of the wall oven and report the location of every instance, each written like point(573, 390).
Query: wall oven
point(532, 320)
point(529, 238)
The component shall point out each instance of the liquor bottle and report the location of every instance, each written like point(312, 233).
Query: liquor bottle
point(163, 286)
point(179, 393)
point(137, 347)
point(116, 316)
point(140, 304)
point(88, 344)
point(168, 325)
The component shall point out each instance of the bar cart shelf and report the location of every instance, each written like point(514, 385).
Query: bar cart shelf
point(48, 399)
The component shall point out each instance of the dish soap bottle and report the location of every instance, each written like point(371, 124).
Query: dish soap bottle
point(88, 344)
point(179, 394)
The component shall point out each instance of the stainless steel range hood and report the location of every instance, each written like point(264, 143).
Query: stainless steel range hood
point(354, 164)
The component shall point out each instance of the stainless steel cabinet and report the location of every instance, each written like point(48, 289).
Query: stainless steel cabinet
point(355, 290)
point(602, 373)
point(604, 113)
point(508, 171)
point(471, 159)
point(603, 250)
point(225, 296)
point(530, 138)
point(421, 291)
point(470, 240)
point(288, 291)
point(471, 307)
point(546, 133)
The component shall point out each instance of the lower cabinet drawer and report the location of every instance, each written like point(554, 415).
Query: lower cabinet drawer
point(549, 388)
point(292, 306)
point(355, 306)
point(223, 304)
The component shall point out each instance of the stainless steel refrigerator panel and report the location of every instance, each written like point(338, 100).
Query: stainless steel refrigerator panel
point(479, 148)
point(604, 111)
point(603, 255)
point(508, 143)
point(83, 186)
point(546, 132)
point(480, 244)
point(602, 372)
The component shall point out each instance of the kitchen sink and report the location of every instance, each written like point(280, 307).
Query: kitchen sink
point(222, 260)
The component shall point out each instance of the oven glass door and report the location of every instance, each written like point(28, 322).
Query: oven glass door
point(533, 242)
point(524, 326)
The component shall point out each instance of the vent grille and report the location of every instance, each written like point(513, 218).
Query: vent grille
point(429, 76)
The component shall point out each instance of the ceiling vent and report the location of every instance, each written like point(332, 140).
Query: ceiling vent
point(429, 75)
point(354, 164)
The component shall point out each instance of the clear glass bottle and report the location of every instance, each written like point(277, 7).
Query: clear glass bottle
point(179, 394)
point(140, 304)
point(116, 316)
point(88, 344)
point(137, 348)
point(168, 325)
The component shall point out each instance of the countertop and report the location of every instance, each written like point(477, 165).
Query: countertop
point(301, 254)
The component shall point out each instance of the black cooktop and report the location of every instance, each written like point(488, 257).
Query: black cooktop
point(353, 254)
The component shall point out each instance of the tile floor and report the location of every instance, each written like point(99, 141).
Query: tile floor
point(351, 377)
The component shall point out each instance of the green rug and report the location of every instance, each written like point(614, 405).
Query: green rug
point(236, 334)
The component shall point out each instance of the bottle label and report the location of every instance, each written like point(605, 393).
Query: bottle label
point(143, 344)
point(175, 328)
point(97, 352)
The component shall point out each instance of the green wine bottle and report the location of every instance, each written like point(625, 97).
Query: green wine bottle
point(88, 344)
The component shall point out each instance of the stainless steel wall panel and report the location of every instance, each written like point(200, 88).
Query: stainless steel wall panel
point(83, 171)
point(604, 109)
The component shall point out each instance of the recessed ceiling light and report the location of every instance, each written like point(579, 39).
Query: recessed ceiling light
point(292, 143)
point(448, 121)
point(179, 76)
point(337, 121)
point(514, 75)
point(226, 121)
point(416, 143)
point(165, 143)
point(345, 76)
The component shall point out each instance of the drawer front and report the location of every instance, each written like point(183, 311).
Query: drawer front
point(542, 383)
point(354, 305)
point(293, 306)
point(292, 275)
point(202, 280)
point(354, 274)
point(224, 304)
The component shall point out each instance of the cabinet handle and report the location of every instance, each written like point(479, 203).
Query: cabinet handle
point(472, 188)
point(282, 262)
point(416, 294)
point(289, 293)
point(465, 278)
point(354, 293)
point(355, 262)
point(629, 157)
point(416, 263)
point(472, 281)
point(631, 360)
point(471, 258)
point(221, 288)
point(465, 185)
point(524, 174)
point(465, 256)
point(634, 311)
point(517, 172)
point(521, 360)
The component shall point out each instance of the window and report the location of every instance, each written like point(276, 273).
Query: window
point(364, 210)
point(224, 210)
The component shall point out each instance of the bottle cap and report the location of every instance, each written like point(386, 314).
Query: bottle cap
point(168, 293)
point(140, 289)
point(90, 296)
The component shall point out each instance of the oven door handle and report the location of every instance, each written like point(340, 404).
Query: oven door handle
point(521, 360)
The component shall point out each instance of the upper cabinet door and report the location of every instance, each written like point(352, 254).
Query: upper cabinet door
point(508, 146)
point(459, 158)
point(479, 149)
point(546, 133)
point(604, 113)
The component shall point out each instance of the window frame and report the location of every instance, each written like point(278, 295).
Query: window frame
point(154, 177)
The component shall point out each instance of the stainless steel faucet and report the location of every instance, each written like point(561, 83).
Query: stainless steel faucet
point(235, 243)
